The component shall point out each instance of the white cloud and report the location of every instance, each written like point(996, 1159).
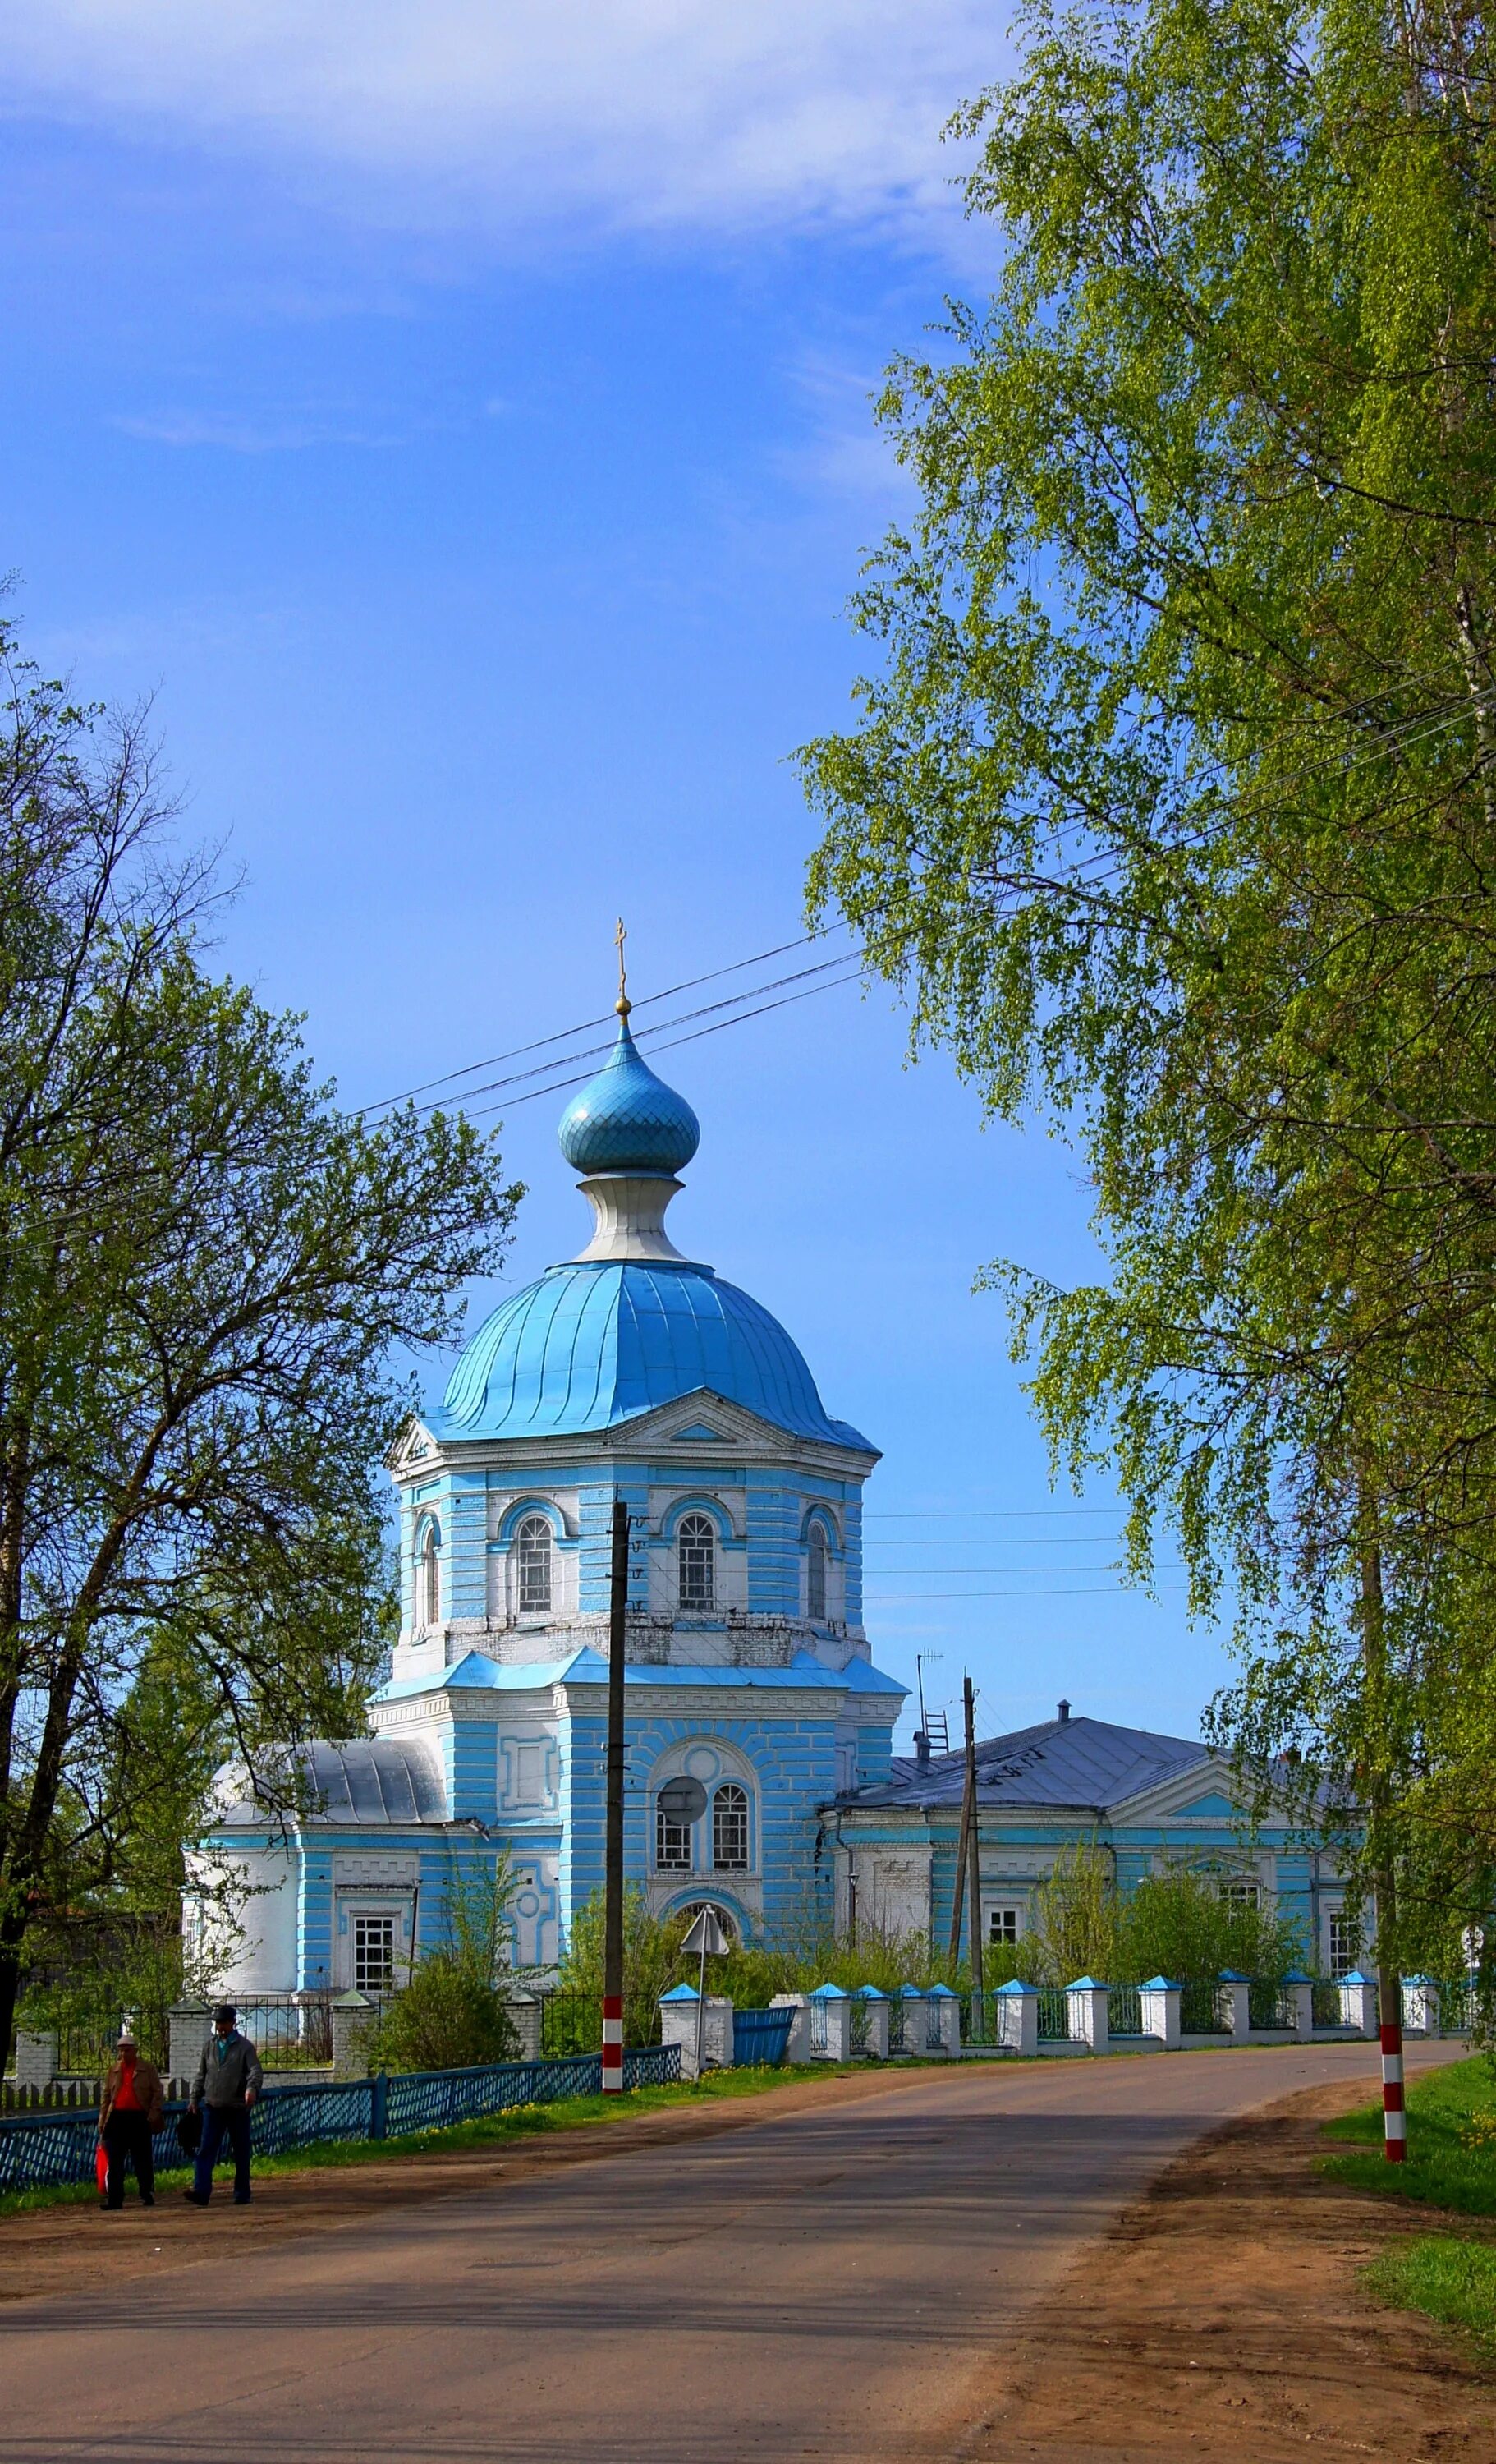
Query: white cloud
point(713, 114)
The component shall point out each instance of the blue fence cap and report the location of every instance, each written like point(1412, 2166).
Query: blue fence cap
point(1234, 1976)
point(911, 1993)
point(680, 1993)
point(1296, 1976)
point(1085, 1985)
point(869, 1993)
point(1420, 1979)
point(1014, 1984)
point(1356, 1977)
point(1160, 1985)
point(830, 1994)
point(942, 1991)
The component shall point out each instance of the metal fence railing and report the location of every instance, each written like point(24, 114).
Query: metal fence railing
point(760, 2038)
point(46, 2150)
point(1054, 2015)
point(1124, 2011)
point(1203, 2008)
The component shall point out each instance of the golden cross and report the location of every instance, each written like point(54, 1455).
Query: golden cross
point(619, 938)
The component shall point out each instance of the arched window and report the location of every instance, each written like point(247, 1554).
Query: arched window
point(730, 1829)
point(688, 1917)
point(429, 1592)
point(671, 1842)
point(815, 1572)
point(532, 1550)
point(695, 1550)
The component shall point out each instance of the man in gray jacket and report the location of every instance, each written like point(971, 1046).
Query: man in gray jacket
point(228, 2080)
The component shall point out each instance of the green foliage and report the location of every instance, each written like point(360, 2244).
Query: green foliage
point(1178, 1923)
point(454, 2011)
point(1173, 804)
point(1449, 2278)
point(653, 1960)
point(206, 1272)
point(1076, 1925)
point(1451, 2158)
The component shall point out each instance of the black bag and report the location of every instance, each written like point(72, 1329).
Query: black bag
point(189, 2131)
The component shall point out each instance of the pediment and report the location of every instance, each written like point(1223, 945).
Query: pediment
point(700, 1433)
point(415, 1447)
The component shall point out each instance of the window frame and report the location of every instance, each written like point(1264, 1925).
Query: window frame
point(1336, 1922)
point(534, 1540)
point(375, 1921)
point(675, 1843)
point(1004, 1926)
point(696, 1532)
point(429, 1576)
point(818, 1553)
point(740, 1815)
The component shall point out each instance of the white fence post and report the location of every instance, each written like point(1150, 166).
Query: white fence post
point(1358, 2003)
point(1420, 2006)
point(188, 2026)
point(1300, 1990)
point(796, 2047)
point(678, 2026)
point(1238, 1991)
point(352, 2014)
point(1018, 2017)
point(944, 2034)
point(831, 2024)
point(35, 2056)
point(527, 2012)
point(875, 2022)
point(1086, 2004)
point(1160, 2001)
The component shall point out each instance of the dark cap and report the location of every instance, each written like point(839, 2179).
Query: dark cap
point(225, 2015)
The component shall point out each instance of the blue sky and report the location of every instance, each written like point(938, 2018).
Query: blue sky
point(458, 420)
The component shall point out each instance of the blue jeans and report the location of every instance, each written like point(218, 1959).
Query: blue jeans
point(221, 2121)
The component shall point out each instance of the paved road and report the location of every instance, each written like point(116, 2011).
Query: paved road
point(822, 2284)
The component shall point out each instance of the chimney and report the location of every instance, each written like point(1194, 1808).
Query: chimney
point(1065, 1709)
point(921, 1751)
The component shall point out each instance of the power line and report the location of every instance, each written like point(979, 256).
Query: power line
point(1061, 1591)
point(987, 1514)
point(565, 1034)
point(560, 1086)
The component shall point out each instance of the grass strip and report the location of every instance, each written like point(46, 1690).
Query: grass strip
point(489, 2131)
point(1451, 2142)
point(1445, 2275)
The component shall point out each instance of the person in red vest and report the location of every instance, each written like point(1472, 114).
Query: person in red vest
point(129, 2117)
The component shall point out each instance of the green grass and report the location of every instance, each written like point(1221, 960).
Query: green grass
point(1451, 2142)
point(493, 2131)
point(1451, 2165)
point(1452, 2279)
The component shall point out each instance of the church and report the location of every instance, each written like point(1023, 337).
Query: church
point(631, 1370)
point(634, 1370)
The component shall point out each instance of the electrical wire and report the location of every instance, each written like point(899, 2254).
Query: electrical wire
point(1059, 1592)
point(564, 1035)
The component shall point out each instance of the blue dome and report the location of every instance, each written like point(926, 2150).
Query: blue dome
point(589, 1346)
point(627, 1120)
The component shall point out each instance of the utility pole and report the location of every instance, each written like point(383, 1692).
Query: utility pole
point(1389, 1980)
point(613, 1845)
point(964, 1854)
point(973, 1856)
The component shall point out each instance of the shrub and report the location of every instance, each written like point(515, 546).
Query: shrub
point(455, 2010)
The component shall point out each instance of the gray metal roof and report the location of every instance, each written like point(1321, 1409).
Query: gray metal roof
point(1074, 1762)
point(354, 1780)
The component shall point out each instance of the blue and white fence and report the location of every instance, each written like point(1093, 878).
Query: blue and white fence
point(42, 2151)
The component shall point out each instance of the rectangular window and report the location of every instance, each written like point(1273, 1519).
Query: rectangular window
point(1242, 1895)
point(1001, 1927)
point(671, 1845)
point(374, 1954)
point(1345, 1945)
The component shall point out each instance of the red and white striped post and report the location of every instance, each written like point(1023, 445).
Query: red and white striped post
point(1395, 2118)
point(613, 1843)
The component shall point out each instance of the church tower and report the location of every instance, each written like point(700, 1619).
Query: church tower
point(630, 1369)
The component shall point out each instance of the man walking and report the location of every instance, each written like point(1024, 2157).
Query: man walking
point(129, 2118)
point(228, 2080)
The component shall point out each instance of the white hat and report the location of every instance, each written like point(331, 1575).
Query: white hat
point(127, 2034)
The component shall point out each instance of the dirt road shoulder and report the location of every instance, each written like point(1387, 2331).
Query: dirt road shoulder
point(1223, 2316)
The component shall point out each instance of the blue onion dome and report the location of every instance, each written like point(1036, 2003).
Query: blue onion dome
point(627, 1120)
